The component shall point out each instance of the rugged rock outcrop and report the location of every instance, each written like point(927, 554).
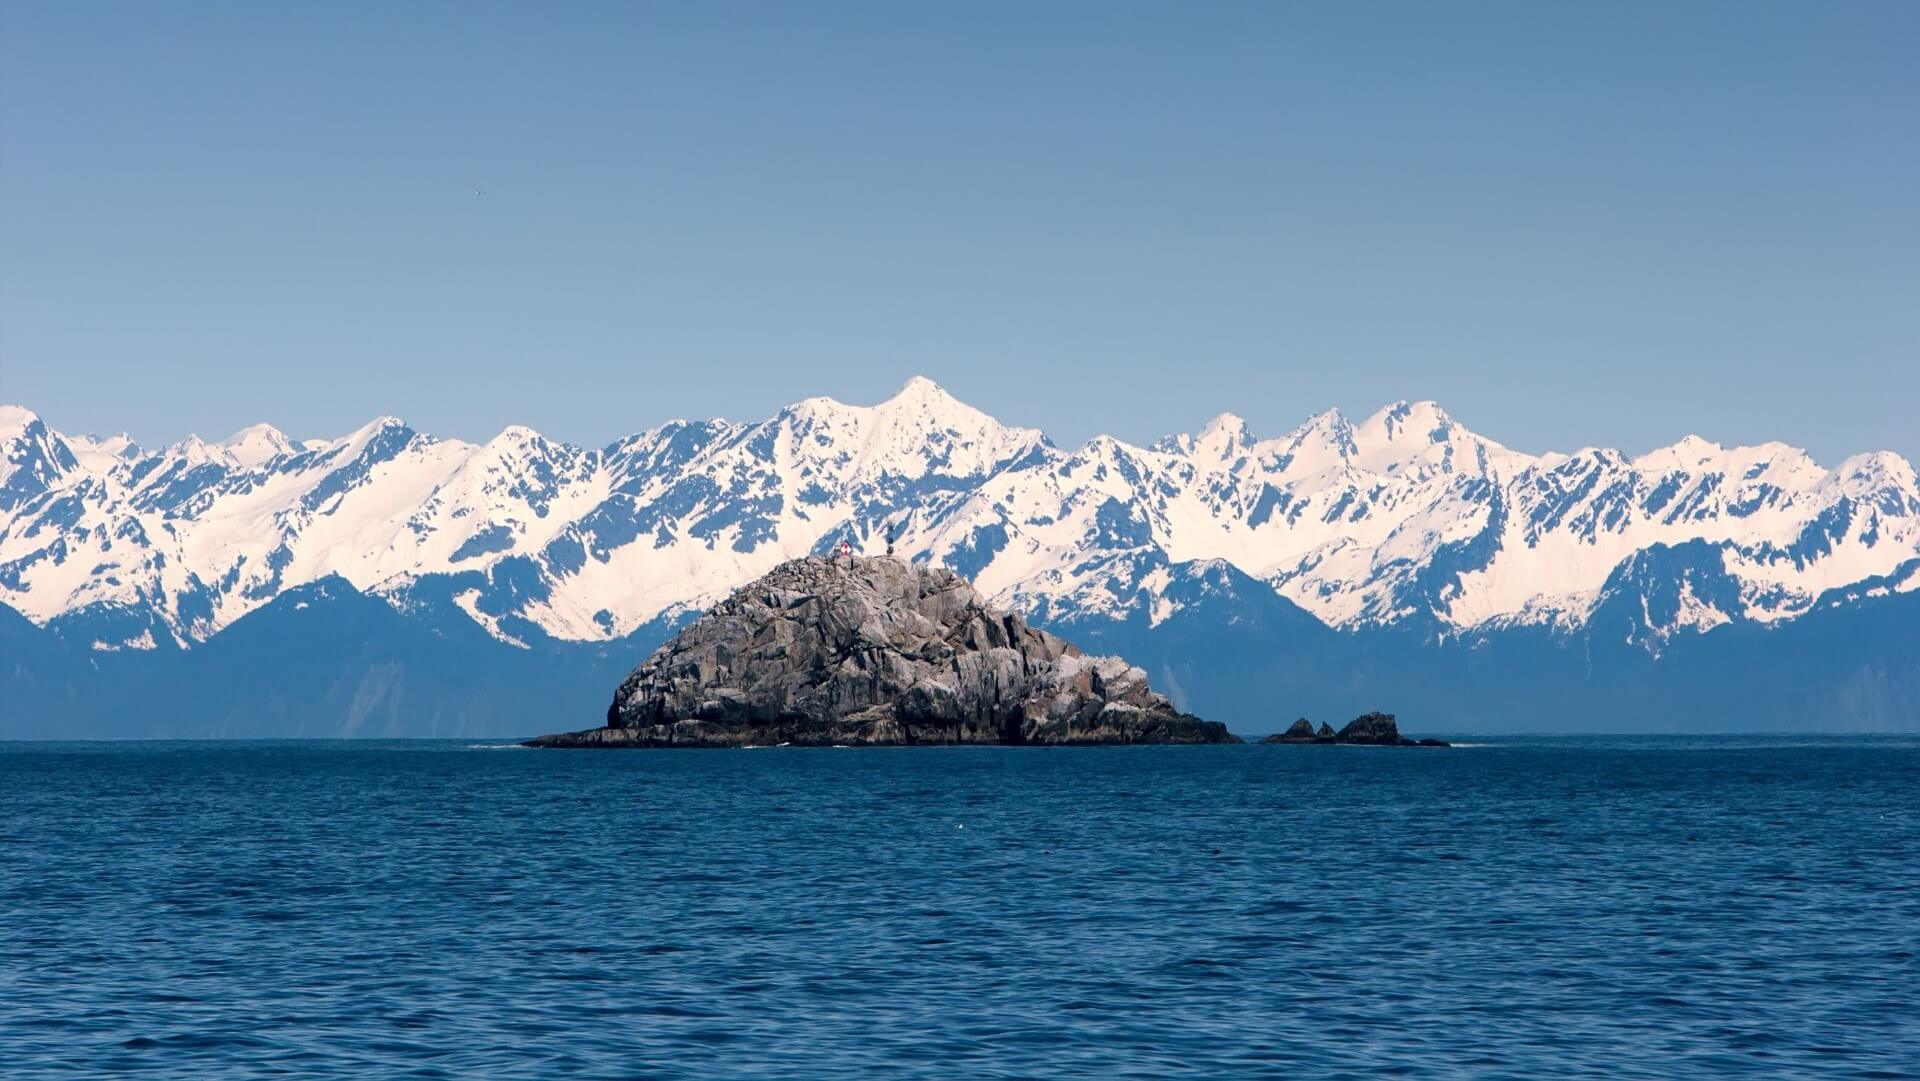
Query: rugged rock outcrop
point(878, 651)
point(1300, 731)
point(1369, 729)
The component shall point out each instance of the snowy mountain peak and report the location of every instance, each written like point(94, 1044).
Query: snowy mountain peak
point(383, 433)
point(1222, 439)
point(33, 458)
point(920, 430)
point(1398, 433)
point(258, 444)
point(925, 401)
point(921, 390)
point(1399, 420)
point(195, 450)
point(517, 436)
point(15, 420)
point(99, 454)
point(1325, 442)
point(1329, 428)
point(1226, 433)
point(1874, 472)
point(1690, 452)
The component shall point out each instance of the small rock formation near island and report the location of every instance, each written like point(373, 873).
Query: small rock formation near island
point(874, 650)
point(1367, 730)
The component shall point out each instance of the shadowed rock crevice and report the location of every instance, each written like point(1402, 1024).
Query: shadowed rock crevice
point(878, 651)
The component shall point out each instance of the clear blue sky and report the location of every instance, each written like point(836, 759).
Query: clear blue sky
point(1610, 223)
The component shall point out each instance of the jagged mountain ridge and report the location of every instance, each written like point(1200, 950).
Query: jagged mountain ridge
point(1403, 519)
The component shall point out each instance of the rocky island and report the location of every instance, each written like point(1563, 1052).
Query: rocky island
point(1367, 730)
point(877, 651)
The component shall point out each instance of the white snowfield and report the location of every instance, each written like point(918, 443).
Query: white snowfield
point(1403, 515)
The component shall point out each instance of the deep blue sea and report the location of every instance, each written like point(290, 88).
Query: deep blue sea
point(1657, 908)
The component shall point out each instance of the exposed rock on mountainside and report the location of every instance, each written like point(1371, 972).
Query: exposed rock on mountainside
point(1369, 729)
point(878, 651)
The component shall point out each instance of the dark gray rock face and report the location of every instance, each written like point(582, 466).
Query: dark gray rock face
point(1368, 729)
point(1373, 728)
point(1300, 731)
point(878, 651)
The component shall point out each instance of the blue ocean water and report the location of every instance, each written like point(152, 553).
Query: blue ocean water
point(1658, 908)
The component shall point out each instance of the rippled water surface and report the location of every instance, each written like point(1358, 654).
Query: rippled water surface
point(1641, 908)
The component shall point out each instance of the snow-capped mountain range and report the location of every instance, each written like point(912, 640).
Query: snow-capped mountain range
point(1405, 518)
